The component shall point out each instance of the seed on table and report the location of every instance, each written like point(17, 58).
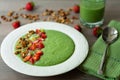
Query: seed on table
point(66, 22)
point(10, 13)
point(62, 14)
point(53, 14)
point(34, 19)
point(72, 21)
point(17, 14)
point(3, 17)
point(60, 10)
point(44, 19)
point(48, 19)
point(74, 17)
point(21, 8)
point(25, 16)
point(67, 13)
point(36, 15)
point(21, 14)
point(69, 9)
point(44, 14)
point(63, 21)
point(15, 17)
point(9, 20)
point(29, 22)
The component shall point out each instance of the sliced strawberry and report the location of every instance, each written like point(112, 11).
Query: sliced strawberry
point(40, 45)
point(31, 60)
point(33, 46)
point(40, 39)
point(36, 57)
point(27, 58)
point(38, 31)
point(43, 35)
point(35, 41)
point(39, 53)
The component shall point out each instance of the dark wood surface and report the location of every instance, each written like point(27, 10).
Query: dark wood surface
point(112, 12)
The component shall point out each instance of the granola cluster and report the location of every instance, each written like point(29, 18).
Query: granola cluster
point(60, 16)
point(27, 13)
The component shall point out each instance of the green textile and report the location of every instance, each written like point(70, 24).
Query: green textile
point(93, 60)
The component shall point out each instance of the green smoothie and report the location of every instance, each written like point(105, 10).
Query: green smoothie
point(58, 47)
point(92, 11)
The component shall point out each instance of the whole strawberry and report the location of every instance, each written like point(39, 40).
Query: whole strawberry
point(97, 31)
point(16, 24)
point(29, 6)
point(76, 8)
point(77, 27)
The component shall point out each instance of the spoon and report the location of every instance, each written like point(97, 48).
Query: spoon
point(109, 35)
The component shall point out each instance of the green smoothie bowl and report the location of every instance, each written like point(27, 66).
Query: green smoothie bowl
point(44, 49)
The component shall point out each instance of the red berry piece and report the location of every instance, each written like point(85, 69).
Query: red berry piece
point(27, 58)
point(33, 46)
point(43, 35)
point(76, 8)
point(40, 39)
point(36, 57)
point(38, 31)
point(39, 53)
point(40, 45)
point(31, 60)
point(97, 31)
point(29, 6)
point(16, 24)
point(77, 27)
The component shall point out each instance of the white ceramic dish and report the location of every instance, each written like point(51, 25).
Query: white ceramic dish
point(8, 56)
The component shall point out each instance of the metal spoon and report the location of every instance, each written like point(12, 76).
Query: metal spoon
point(109, 35)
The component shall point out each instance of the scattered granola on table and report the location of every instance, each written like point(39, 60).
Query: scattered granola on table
point(64, 16)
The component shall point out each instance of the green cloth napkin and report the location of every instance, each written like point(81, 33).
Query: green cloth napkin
point(92, 62)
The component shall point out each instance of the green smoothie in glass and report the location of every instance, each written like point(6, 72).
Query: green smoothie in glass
point(92, 12)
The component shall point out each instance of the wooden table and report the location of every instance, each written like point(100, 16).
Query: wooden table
point(112, 12)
